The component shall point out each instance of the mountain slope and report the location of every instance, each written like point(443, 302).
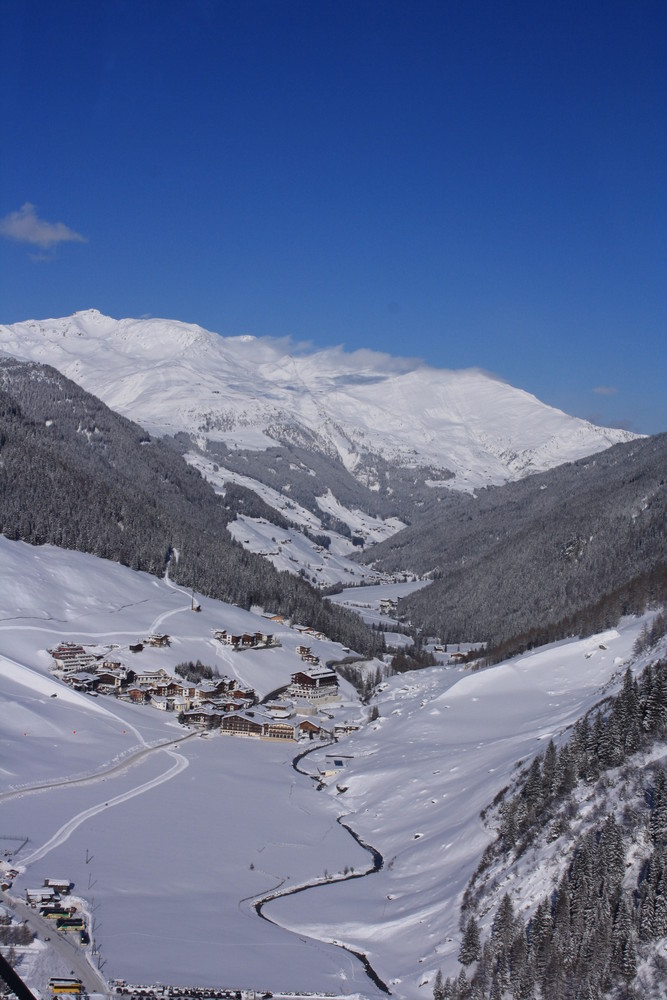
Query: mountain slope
point(98, 483)
point(369, 413)
point(530, 554)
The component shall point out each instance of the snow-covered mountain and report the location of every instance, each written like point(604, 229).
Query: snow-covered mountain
point(370, 411)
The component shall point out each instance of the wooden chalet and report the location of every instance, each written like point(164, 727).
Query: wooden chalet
point(157, 640)
point(278, 729)
point(205, 716)
point(241, 724)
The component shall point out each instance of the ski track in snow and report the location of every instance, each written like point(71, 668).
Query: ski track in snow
point(67, 829)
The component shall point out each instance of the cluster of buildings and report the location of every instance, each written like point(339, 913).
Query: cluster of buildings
point(246, 640)
point(86, 669)
point(49, 899)
point(221, 703)
point(282, 718)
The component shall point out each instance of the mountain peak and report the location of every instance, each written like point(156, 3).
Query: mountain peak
point(368, 409)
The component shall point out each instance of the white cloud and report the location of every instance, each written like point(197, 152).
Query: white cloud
point(605, 390)
point(25, 226)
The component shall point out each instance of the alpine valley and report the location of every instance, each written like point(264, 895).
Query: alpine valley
point(431, 606)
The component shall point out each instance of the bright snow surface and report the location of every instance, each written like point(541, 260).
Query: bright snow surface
point(181, 840)
point(171, 376)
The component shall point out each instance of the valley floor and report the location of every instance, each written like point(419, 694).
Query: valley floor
point(172, 849)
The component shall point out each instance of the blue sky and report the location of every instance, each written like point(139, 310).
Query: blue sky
point(476, 184)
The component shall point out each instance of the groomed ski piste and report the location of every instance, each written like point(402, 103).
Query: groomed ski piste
point(172, 841)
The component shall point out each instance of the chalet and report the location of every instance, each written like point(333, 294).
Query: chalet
point(344, 729)
point(149, 677)
point(214, 689)
point(303, 650)
point(157, 701)
point(308, 728)
point(40, 897)
point(136, 647)
point(314, 684)
point(225, 705)
point(279, 709)
point(205, 717)
point(112, 680)
point(158, 640)
point(60, 885)
point(388, 606)
point(179, 703)
point(82, 680)
point(241, 724)
point(225, 637)
point(137, 695)
point(278, 729)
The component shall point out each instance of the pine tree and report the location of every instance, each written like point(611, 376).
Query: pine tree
point(470, 950)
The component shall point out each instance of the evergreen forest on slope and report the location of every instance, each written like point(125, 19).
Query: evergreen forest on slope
point(564, 552)
point(75, 474)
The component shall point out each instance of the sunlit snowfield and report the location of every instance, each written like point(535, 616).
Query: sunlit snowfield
point(171, 850)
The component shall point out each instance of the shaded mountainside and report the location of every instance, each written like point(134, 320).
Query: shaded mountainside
point(586, 540)
point(75, 474)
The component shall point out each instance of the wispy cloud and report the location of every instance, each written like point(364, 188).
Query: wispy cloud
point(605, 390)
point(25, 226)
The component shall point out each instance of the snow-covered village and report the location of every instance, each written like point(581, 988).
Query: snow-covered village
point(333, 500)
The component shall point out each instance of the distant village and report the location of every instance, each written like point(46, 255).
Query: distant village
point(216, 703)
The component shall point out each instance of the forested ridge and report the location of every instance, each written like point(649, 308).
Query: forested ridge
point(559, 553)
point(75, 474)
point(604, 813)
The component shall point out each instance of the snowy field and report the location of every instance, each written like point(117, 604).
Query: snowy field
point(181, 839)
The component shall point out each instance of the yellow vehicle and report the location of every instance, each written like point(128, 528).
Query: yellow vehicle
point(58, 986)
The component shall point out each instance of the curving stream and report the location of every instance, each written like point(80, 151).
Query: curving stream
point(378, 863)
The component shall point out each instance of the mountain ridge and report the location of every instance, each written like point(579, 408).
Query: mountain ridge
point(370, 410)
